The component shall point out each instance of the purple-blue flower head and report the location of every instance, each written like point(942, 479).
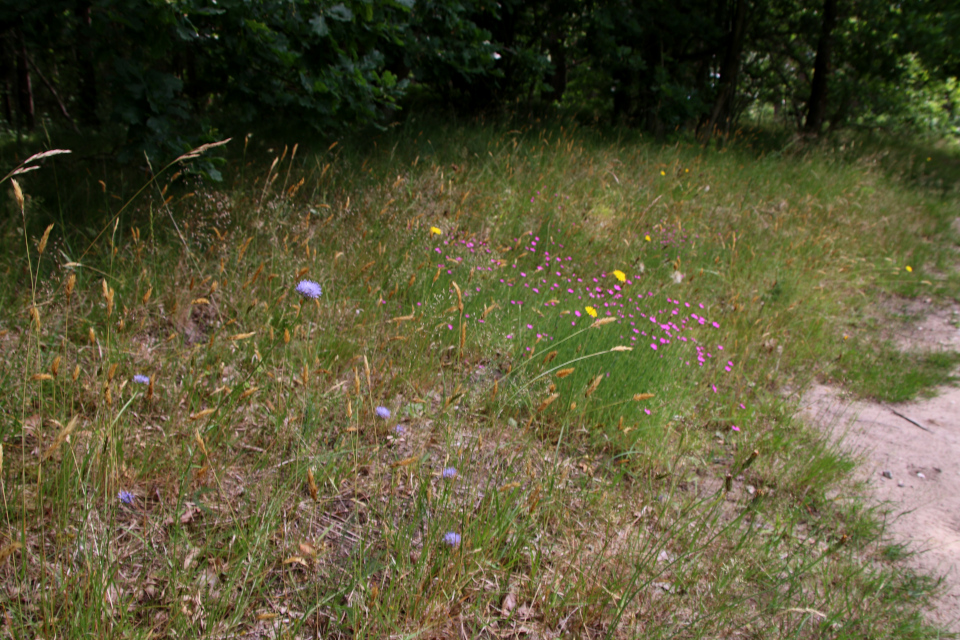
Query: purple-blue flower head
point(125, 497)
point(449, 473)
point(141, 379)
point(383, 412)
point(309, 289)
point(399, 430)
point(451, 538)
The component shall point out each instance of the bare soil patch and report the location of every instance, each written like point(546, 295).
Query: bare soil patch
point(910, 457)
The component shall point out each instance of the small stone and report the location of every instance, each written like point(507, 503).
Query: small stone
point(751, 489)
point(888, 475)
point(900, 484)
point(920, 475)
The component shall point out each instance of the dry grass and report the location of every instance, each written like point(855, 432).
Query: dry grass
point(600, 490)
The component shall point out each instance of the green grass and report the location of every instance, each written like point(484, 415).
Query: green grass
point(614, 500)
point(893, 376)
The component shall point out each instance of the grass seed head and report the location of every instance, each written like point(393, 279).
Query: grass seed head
point(43, 240)
point(642, 396)
point(593, 385)
point(312, 485)
point(55, 366)
point(547, 402)
point(17, 193)
point(71, 283)
point(563, 373)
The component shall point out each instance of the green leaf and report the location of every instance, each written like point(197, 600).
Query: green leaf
point(319, 24)
point(340, 12)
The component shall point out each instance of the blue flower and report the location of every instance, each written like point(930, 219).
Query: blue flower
point(141, 379)
point(449, 473)
point(451, 538)
point(125, 497)
point(399, 430)
point(309, 289)
point(383, 412)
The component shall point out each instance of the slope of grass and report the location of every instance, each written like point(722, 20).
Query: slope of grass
point(540, 393)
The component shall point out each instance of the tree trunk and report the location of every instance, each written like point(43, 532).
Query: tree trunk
point(558, 79)
point(86, 71)
point(6, 81)
point(24, 87)
point(817, 104)
point(729, 76)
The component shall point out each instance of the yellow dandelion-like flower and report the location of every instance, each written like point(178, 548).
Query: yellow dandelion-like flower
point(620, 275)
point(435, 231)
point(663, 173)
point(647, 238)
point(592, 312)
point(909, 269)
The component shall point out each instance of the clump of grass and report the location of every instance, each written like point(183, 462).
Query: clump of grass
point(239, 410)
point(889, 375)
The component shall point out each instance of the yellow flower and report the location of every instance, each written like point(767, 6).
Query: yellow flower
point(592, 312)
point(647, 238)
point(435, 231)
point(909, 269)
point(620, 275)
point(663, 173)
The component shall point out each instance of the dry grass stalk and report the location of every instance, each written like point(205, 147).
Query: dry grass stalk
point(547, 402)
point(61, 438)
point(642, 396)
point(599, 322)
point(201, 414)
point(593, 385)
point(43, 240)
point(459, 297)
point(312, 485)
point(8, 551)
point(17, 193)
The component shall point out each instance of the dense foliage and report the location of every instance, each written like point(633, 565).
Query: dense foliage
point(170, 74)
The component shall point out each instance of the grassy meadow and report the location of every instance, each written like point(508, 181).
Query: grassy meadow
point(460, 381)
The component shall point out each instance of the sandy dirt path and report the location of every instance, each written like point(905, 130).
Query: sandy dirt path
point(912, 468)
